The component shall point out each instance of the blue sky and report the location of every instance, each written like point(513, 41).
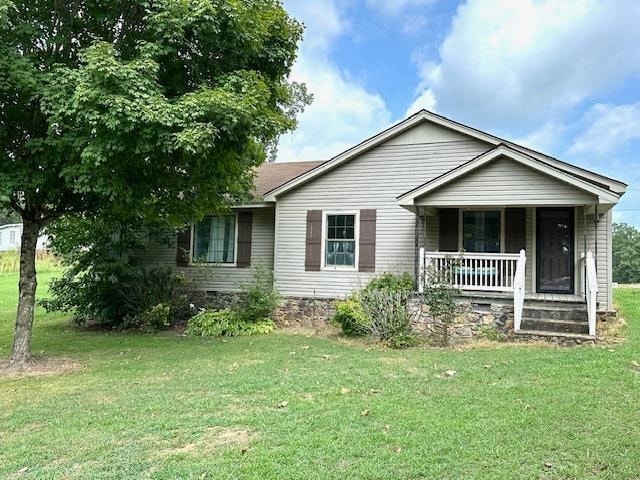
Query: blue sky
point(560, 76)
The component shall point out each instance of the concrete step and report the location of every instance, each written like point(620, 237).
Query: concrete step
point(552, 312)
point(556, 325)
point(542, 333)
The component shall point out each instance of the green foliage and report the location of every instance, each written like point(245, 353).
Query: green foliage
point(226, 323)
point(350, 317)
point(140, 111)
point(441, 297)
point(391, 282)
point(391, 318)
point(379, 310)
point(118, 294)
point(259, 298)
point(157, 317)
point(626, 253)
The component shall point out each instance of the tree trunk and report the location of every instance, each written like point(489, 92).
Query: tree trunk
point(21, 351)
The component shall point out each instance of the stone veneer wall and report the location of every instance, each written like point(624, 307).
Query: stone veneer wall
point(471, 319)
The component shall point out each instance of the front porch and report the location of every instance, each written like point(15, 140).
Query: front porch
point(554, 271)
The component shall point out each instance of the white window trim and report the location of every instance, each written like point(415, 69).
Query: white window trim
point(356, 239)
point(480, 209)
point(214, 264)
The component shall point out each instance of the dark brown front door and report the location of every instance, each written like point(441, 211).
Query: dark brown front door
point(555, 251)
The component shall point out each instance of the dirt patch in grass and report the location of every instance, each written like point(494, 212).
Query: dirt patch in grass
point(40, 366)
point(213, 439)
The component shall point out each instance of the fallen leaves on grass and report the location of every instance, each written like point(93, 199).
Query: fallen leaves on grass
point(212, 439)
point(345, 391)
point(365, 413)
point(283, 404)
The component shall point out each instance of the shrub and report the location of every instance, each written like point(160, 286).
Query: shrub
point(391, 282)
point(440, 296)
point(226, 323)
point(350, 317)
point(157, 317)
point(391, 318)
point(119, 294)
point(259, 298)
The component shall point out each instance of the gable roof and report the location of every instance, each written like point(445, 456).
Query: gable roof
point(426, 116)
point(604, 194)
point(272, 175)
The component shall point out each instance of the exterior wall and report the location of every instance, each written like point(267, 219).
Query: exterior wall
point(599, 242)
point(10, 238)
point(506, 182)
point(220, 278)
point(373, 180)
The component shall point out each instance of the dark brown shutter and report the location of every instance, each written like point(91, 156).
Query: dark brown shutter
point(183, 251)
point(367, 242)
point(245, 225)
point(515, 229)
point(313, 247)
point(448, 218)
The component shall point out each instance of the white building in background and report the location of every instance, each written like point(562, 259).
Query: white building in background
point(10, 235)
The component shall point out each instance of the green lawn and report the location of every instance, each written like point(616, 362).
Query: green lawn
point(161, 406)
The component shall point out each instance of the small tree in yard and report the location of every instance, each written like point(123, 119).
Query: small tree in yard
point(440, 296)
point(136, 109)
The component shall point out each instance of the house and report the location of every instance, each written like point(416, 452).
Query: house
point(509, 225)
point(11, 234)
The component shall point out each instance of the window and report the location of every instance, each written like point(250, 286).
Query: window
point(340, 245)
point(215, 239)
point(481, 231)
point(12, 237)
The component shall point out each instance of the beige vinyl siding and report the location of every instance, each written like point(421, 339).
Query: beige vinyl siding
point(602, 253)
point(427, 132)
point(370, 181)
point(506, 182)
point(220, 278)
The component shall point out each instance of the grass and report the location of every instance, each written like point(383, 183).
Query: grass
point(46, 262)
point(164, 406)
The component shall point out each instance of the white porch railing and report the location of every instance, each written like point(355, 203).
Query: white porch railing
point(470, 271)
point(495, 272)
point(591, 291)
point(518, 290)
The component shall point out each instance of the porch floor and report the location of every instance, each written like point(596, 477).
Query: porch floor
point(540, 297)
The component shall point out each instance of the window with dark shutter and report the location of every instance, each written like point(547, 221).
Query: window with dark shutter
point(515, 229)
point(183, 250)
point(367, 242)
point(448, 218)
point(245, 227)
point(313, 246)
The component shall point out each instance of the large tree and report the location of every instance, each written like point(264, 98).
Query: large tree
point(626, 253)
point(153, 108)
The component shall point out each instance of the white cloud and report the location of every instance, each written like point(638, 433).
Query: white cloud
point(518, 64)
point(343, 112)
point(426, 99)
point(611, 127)
point(545, 138)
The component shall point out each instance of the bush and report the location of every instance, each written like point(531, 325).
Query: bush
point(440, 296)
point(258, 298)
point(121, 295)
point(350, 317)
point(157, 317)
point(379, 310)
point(391, 319)
point(226, 323)
point(391, 282)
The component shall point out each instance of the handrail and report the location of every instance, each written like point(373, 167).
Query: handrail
point(591, 292)
point(469, 270)
point(518, 290)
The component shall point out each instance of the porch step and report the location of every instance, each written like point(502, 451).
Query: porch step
point(575, 312)
point(568, 335)
point(555, 325)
